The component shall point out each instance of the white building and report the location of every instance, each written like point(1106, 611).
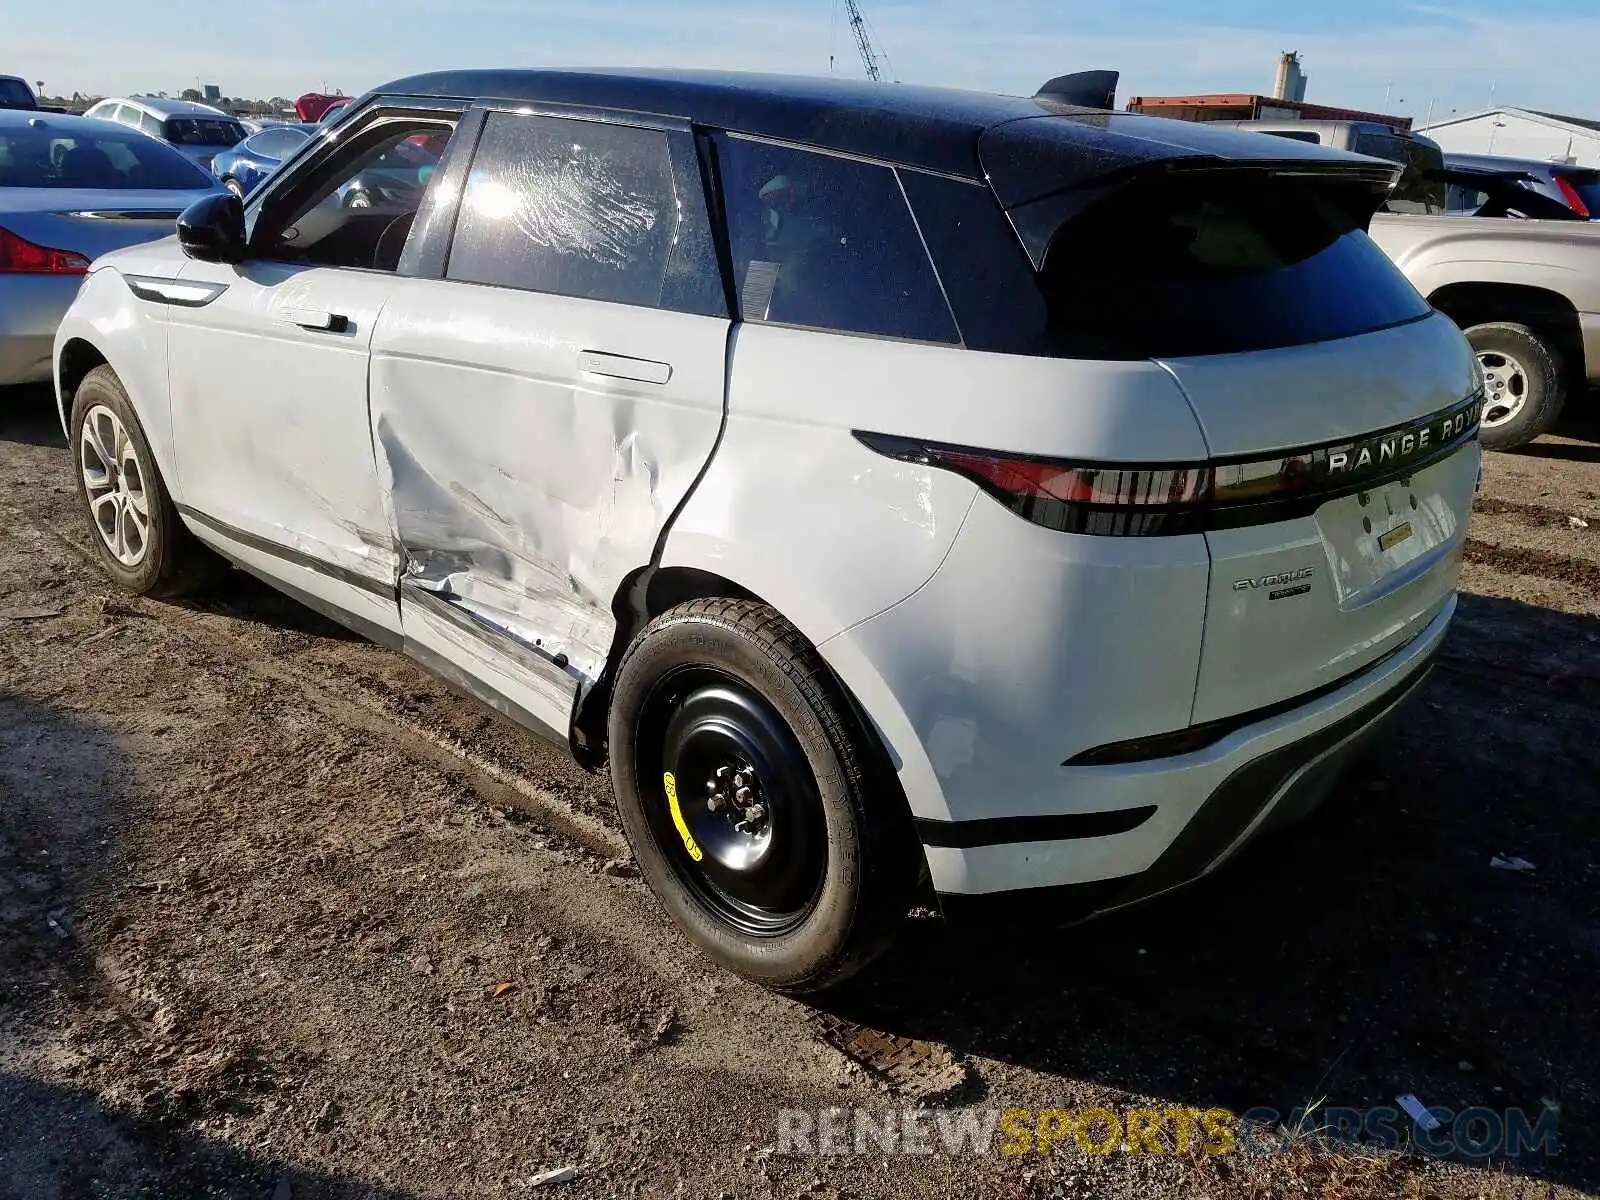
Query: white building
point(1520, 133)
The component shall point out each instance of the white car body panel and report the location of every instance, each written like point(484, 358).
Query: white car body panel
point(533, 448)
point(270, 415)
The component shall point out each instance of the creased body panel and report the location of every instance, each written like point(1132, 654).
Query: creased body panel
point(528, 474)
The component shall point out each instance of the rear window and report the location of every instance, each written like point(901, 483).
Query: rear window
point(15, 94)
point(203, 131)
point(1212, 266)
point(112, 161)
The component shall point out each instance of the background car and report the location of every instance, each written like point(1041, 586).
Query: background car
point(197, 131)
point(1576, 187)
point(1474, 191)
point(15, 93)
point(71, 189)
point(240, 168)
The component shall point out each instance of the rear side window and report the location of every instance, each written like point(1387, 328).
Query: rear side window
point(587, 209)
point(1215, 266)
point(203, 131)
point(828, 243)
point(1419, 191)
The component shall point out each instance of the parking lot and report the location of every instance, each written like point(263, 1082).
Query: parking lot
point(282, 917)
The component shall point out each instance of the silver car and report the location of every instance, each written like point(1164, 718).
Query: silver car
point(72, 189)
point(197, 131)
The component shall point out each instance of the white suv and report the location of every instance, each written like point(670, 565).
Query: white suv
point(905, 491)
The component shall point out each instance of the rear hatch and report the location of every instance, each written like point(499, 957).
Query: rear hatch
point(1338, 411)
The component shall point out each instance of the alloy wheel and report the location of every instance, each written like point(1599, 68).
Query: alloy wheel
point(1505, 387)
point(113, 481)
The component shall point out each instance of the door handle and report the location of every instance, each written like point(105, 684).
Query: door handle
point(316, 319)
point(620, 366)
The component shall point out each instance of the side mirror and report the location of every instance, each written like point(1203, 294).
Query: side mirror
point(212, 229)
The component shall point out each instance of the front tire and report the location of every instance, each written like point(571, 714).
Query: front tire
point(761, 812)
point(1524, 388)
point(133, 524)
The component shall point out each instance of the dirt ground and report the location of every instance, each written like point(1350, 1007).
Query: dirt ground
point(281, 917)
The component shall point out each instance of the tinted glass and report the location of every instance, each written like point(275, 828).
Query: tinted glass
point(114, 161)
point(988, 279)
point(1296, 135)
point(15, 93)
point(1418, 190)
point(580, 208)
point(203, 131)
point(276, 143)
point(827, 242)
point(1217, 266)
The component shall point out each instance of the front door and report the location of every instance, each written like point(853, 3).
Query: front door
point(541, 411)
point(269, 373)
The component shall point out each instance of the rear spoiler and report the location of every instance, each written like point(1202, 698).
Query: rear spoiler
point(1085, 89)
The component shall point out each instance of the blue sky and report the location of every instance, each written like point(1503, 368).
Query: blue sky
point(1447, 55)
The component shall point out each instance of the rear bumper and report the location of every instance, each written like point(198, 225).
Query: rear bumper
point(1181, 817)
point(31, 307)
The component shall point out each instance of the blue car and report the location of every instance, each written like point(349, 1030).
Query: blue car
point(244, 166)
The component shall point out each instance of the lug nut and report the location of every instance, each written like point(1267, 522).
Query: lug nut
point(743, 797)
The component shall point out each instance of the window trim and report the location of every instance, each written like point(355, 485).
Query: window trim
point(682, 139)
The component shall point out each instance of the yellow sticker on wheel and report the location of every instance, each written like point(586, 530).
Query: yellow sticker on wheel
point(689, 843)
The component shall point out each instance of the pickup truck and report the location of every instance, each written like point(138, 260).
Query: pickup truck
point(1527, 294)
point(15, 93)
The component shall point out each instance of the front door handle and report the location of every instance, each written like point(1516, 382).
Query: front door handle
point(620, 366)
point(316, 319)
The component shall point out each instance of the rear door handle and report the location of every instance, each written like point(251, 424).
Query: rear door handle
point(620, 366)
point(316, 319)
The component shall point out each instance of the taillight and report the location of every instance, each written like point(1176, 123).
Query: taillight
point(1163, 499)
point(18, 256)
point(1571, 196)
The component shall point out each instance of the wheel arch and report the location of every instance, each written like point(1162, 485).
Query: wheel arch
point(1547, 313)
point(652, 590)
point(77, 358)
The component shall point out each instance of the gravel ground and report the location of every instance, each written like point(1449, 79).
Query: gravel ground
point(281, 917)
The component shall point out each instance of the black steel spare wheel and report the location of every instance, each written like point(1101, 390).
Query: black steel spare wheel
point(737, 804)
point(762, 811)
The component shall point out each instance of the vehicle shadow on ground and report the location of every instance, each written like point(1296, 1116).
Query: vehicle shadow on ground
point(1369, 953)
point(124, 1125)
point(28, 416)
point(1580, 422)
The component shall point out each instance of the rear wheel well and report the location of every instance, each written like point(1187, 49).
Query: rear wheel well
point(1549, 314)
point(643, 596)
point(78, 358)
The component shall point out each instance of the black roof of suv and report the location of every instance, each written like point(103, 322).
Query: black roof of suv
point(974, 135)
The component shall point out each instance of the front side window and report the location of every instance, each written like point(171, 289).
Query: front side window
point(586, 209)
point(112, 161)
point(829, 243)
point(356, 208)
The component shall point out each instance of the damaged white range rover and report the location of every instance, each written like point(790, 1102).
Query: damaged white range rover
point(906, 492)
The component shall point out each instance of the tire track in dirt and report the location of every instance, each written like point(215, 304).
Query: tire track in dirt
point(1542, 564)
point(361, 706)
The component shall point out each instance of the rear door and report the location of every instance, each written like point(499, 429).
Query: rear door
point(542, 405)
